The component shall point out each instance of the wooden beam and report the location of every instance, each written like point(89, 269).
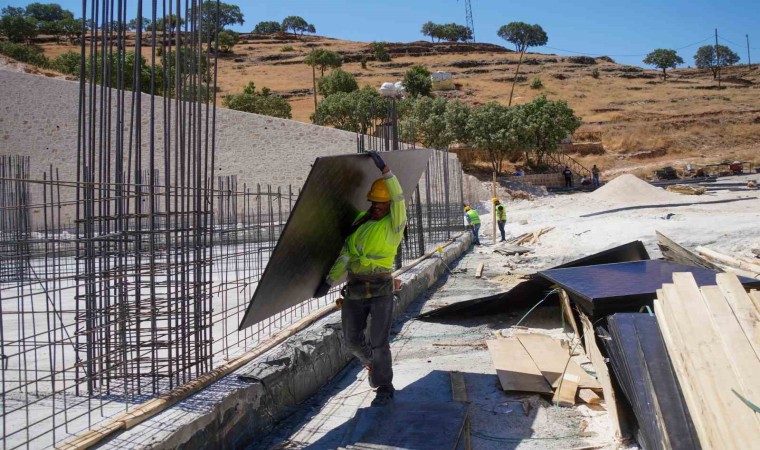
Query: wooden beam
point(588, 396)
point(729, 260)
point(567, 312)
point(479, 270)
point(743, 307)
point(564, 395)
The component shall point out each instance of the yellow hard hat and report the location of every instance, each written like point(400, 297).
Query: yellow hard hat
point(379, 192)
point(466, 208)
point(495, 200)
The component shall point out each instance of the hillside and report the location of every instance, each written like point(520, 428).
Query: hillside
point(640, 121)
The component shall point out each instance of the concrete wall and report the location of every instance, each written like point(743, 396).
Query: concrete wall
point(243, 407)
point(39, 117)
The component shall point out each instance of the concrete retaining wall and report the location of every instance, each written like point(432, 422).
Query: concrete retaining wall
point(246, 405)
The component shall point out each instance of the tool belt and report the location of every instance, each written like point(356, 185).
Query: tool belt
point(362, 287)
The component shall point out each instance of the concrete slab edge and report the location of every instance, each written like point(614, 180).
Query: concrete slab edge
point(247, 404)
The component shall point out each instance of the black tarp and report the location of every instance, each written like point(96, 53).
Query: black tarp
point(640, 363)
point(623, 287)
point(528, 292)
point(335, 191)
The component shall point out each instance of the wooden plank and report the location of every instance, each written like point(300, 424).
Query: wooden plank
point(729, 422)
point(673, 343)
point(567, 312)
point(743, 358)
point(728, 260)
point(673, 251)
point(755, 296)
point(458, 387)
point(515, 368)
point(564, 395)
point(588, 396)
point(479, 270)
point(743, 307)
point(603, 374)
point(553, 361)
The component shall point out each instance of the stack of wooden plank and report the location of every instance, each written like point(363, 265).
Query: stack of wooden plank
point(537, 363)
point(529, 238)
point(712, 335)
point(640, 363)
point(743, 266)
point(686, 189)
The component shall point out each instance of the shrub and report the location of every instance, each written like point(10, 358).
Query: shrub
point(287, 48)
point(364, 62)
point(226, 40)
point(378, 49)
point(536, 83)
point(68, 63)
point(559, 76)
point(337, 81)
point(581, 60)
point(417, 81)
point(24, 53)
point(263, 102)
point(595, 74)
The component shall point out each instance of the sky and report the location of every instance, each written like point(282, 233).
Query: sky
point(624, 30)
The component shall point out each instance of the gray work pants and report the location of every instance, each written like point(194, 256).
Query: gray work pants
point(375, 315)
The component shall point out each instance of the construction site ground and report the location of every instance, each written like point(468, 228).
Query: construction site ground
point(425, 353)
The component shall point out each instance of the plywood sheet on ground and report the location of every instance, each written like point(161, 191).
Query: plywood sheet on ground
point(334, 193)
point(515, 368)
point(553, 360)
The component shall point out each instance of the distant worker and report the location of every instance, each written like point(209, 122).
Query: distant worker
point(501, 217)
point(367, 257)
point(568, 177)
point(473, 219)
point(595, 175)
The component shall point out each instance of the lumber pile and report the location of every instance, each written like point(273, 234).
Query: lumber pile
point(737, 264)
point(640, 363)
point(529, 238)
point(686, 189)
point(712, 335)
point(532, 362)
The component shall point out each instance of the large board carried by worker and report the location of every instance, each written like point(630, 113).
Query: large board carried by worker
point(334, 193)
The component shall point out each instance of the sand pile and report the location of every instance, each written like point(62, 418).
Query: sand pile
point(629, 189)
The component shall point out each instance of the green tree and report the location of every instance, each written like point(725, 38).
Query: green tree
point(708, 58)
point(298, 24)
point(193, 78)
point(94, 67)
point(523, 36)
point(227, 39)
point(354, 111)
point(264, 102)
point(17, 26)
point(68, 63)
point(336, 81)
point(216, 17)
point(417, 81)
point(72, 29)
point(48, 12)
point(499, 130)
point(427, 29)
point(24, 53)
point(547, 123)
point(663, 59)
point(133, 24)
point(424, 121)
point(323, 59)
point(267, 27)
point(169, 22)
point(451, 32)
point(457, 116)
point(378, 49)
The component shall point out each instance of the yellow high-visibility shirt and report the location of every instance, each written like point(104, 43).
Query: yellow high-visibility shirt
point(372, 247)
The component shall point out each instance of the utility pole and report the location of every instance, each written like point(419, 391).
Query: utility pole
point(749, 60)
point(717, 56)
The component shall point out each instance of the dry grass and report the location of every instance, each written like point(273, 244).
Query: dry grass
point(641, 121)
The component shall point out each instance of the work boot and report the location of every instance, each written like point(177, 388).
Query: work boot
point(369, 376)
point(384, 396)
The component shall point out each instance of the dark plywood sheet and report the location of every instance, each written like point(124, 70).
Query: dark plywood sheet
point(641, 364)
point(632, 251)
point(335, 191)
point(610, 281)
point(408, 425)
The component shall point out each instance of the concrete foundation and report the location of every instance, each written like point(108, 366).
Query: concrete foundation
point(246, 405)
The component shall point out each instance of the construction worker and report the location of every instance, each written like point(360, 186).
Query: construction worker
point(367, 260)
point(473, 221)
point(501, 216)
point(595, 175)
point(568, 174)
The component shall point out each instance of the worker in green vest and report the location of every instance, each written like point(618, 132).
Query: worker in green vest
point(501, 216)
point(367, 262)
point(473, 221)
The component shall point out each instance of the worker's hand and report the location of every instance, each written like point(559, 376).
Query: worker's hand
point(323, 289)
point(379, 163)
